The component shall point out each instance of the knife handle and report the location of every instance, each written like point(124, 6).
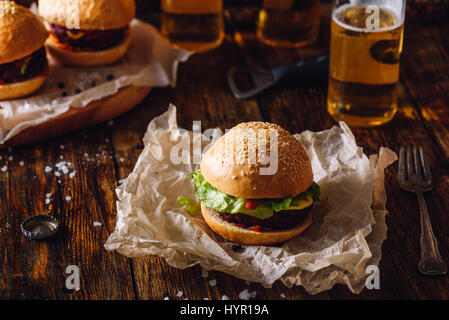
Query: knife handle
point(309, 66)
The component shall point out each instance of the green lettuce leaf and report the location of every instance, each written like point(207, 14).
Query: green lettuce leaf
point(24, 66)
point(314, 191)
point(190, 205)
point(219, 201)
point(213, 198)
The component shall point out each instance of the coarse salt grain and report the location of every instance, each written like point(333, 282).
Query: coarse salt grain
point(4, 168)
point(68, 198)
point(47, 201)
point(48, 169)
point(213, 282)
point(97, 224)
point(244, 295)
point(224, 297)
point(179, 294)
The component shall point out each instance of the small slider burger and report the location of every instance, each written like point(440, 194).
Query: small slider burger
point(247, 207)
point(88, 32)
point(23, 61)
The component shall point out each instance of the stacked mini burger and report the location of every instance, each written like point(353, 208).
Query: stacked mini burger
point(243, 203)
point(23, 61)
point(88, 32)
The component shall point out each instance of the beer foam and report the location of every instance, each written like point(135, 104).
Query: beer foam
point(397, 13)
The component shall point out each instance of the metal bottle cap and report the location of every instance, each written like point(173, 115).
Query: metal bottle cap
point(39, 227)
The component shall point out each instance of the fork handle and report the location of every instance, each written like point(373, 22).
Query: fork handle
point(431, 261)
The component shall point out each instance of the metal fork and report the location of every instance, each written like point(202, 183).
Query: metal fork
point(414, 176)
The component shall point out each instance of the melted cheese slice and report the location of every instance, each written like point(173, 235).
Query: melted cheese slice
point(73, 35)
point(303, 203)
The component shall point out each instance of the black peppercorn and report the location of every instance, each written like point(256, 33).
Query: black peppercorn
point(236, 247)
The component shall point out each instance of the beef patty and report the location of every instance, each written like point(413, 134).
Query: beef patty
point(25, 68)
point(88, 40)
point(279, 221)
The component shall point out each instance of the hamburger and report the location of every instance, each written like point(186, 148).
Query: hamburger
point(247, 207)
point(88, 32)
point(23, 61)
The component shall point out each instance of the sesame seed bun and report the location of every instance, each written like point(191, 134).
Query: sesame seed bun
point(94, 14)
point(20, 89)
point(88, 58)
point(21, 32)
point(244, 236)
point(232, 169)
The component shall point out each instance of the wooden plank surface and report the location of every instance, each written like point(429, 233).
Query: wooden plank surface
point(101, 156)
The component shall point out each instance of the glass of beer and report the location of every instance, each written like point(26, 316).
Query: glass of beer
point(366, 45)
point(289, 23)
point(195, 25)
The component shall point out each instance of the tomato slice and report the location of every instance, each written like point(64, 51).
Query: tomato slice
point(250, 204)
point(255, 228)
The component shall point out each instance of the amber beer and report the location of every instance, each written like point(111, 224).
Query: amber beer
point(289, 23)
point(364, 65)
point(195, 25)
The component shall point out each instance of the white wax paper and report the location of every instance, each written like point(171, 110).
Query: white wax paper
point(345, 237)
point(150, 62)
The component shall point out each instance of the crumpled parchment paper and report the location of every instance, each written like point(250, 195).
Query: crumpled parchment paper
point(151, 61)
point(346, 235)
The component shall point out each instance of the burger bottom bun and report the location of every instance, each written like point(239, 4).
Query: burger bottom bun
point(88, 58)
point(248, 237)
point(20, 89)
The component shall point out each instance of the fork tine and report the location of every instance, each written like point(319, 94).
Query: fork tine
point(418, 162)
point(425, 165)
point(410, 164)
point(402, 175)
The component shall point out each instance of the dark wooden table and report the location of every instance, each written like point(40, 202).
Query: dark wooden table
point(104, 154)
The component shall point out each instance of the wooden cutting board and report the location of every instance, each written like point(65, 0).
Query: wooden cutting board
point(77, 118)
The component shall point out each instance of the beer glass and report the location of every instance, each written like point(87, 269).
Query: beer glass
point(195, 25)
point(289, 23)
point(366, 45)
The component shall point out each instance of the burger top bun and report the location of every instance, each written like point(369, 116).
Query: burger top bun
point(229, 165)
point(93, 14)
point(21, 32)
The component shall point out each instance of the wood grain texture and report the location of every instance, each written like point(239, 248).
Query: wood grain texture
point(105, 154)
